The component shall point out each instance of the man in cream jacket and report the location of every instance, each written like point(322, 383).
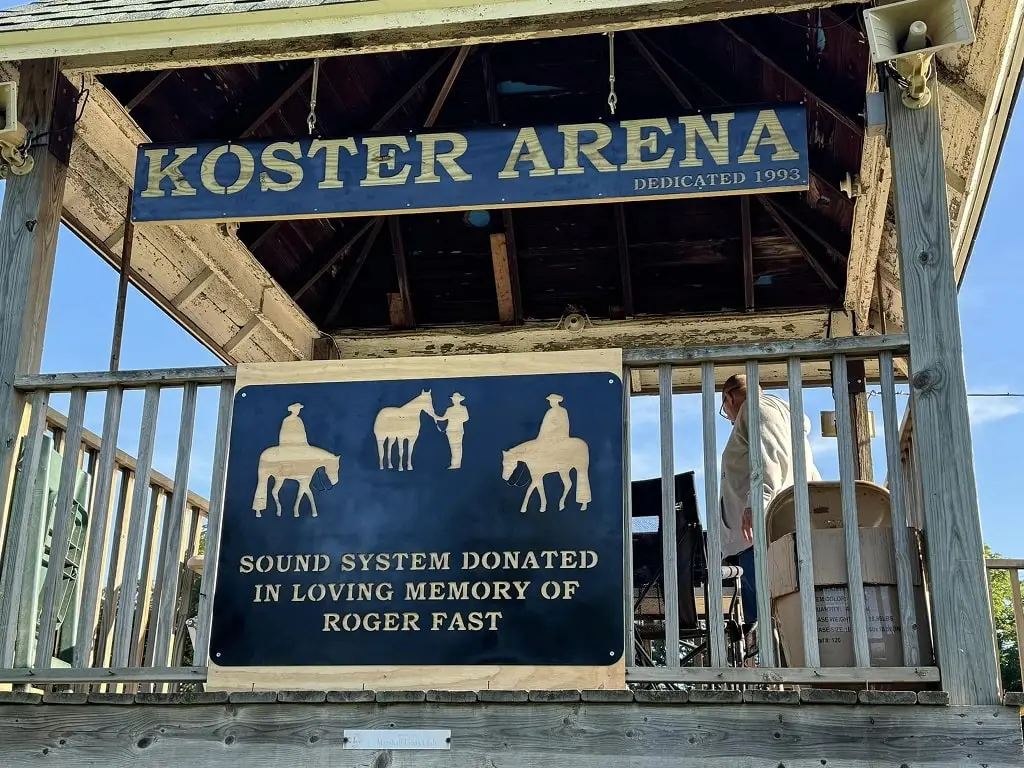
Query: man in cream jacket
point(777, 453)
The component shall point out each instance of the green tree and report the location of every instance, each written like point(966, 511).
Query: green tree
point(1006, 631)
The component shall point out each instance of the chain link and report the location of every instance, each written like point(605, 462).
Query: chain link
point(613, 98)
point(311, 119)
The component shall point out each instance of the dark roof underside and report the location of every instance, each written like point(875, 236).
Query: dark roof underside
point(683, 256)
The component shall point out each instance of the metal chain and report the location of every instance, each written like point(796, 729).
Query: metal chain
point(311, 119)
point(613, 98)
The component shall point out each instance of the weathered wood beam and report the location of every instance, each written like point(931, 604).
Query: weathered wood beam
point(961, 608)
point(748, 254)
point(868, 228)
point(311, 31)
point(827, 241)
point(719, 100)
point(625, 272)
point(401, 272)
point(275, 104)
point(242, 336)
point(809, 257)
point(860, 421)
point(502, 278)
point(825, 104)
point(29, 222)
point(511, 254)
point(446, 87)
point(654, 64)
point(196, 286)
point(147, 90)
point(677, 734)
point(336, 254)
point(353, 272)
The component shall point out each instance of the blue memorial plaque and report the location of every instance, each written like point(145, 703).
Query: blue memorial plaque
point(436, 521)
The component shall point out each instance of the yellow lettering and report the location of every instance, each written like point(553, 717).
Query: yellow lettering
point(376, 160)
point(590, 149)
point(636, 143)
point(526, 148)
point(348, 562)
point(331, 622)
point(158, 172)
point(415, 590)
point(439, 562)
point(246, 169)
point(332, 159)
point(694, 127)
point(245, 564)
point(430, 158)
point(768, 121)
point(272, 162)
point(410, 622)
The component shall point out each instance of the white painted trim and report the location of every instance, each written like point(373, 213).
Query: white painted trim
point(362, 16)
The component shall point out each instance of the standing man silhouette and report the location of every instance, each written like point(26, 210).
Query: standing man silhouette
point(456, 417)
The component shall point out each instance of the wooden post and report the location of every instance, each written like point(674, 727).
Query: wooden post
point(28, 242)
point(860, 421)
point(122, 287)
point(959, 592)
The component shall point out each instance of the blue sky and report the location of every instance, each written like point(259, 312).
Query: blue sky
point(84, 292)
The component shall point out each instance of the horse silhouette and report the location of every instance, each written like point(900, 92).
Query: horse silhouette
point(292, 462)
point(401, 426)
point(544, 456)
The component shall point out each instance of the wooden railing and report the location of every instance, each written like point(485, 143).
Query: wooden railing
point(118, 608)
point(796, 363)
point(129, 613)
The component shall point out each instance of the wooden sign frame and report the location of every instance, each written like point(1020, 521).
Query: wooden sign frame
point(448, 677)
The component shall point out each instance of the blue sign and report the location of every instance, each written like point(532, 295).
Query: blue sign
point(442, 521)
point(724, 153)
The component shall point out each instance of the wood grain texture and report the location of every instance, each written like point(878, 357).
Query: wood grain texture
point(502, 277)
point(959, 591)
point(599, 361)
point(795, 675)
point(18, 529)
point(167, 377)
point(755, 455)
point(629, 636)
point(63, 525)
point(214, 521)
point(126, 602)
point(669, 546)
point(175, 512)
point(97, 543)
point(898, 510)
point(463, 678)
point(802, 515)
point(716, 630)
point(851, 520)
point(28, 239)
point(535, 735)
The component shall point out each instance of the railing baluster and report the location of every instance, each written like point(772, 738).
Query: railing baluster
point(851, 520)
point(1018, 614)
point(144, 613)
point(670, 578)
point(63, 525)
point(119, 540)
point(172, 543)
point(159, 537)
point(897, 505)
point(125, 621)
point(802, 511)
point(100, 509)
point(629, 652)
point(213, 523)
point(19, 524)
point(765, 642)
point(712, 503)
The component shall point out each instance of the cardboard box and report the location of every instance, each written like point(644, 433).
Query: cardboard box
point(832, 600)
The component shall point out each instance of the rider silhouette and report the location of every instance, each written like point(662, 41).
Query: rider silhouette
point(555, 425)
point(293, 431)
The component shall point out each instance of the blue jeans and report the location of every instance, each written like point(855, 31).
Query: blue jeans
point(748, 587)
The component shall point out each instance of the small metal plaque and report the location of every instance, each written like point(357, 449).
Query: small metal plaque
point(398, 738)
